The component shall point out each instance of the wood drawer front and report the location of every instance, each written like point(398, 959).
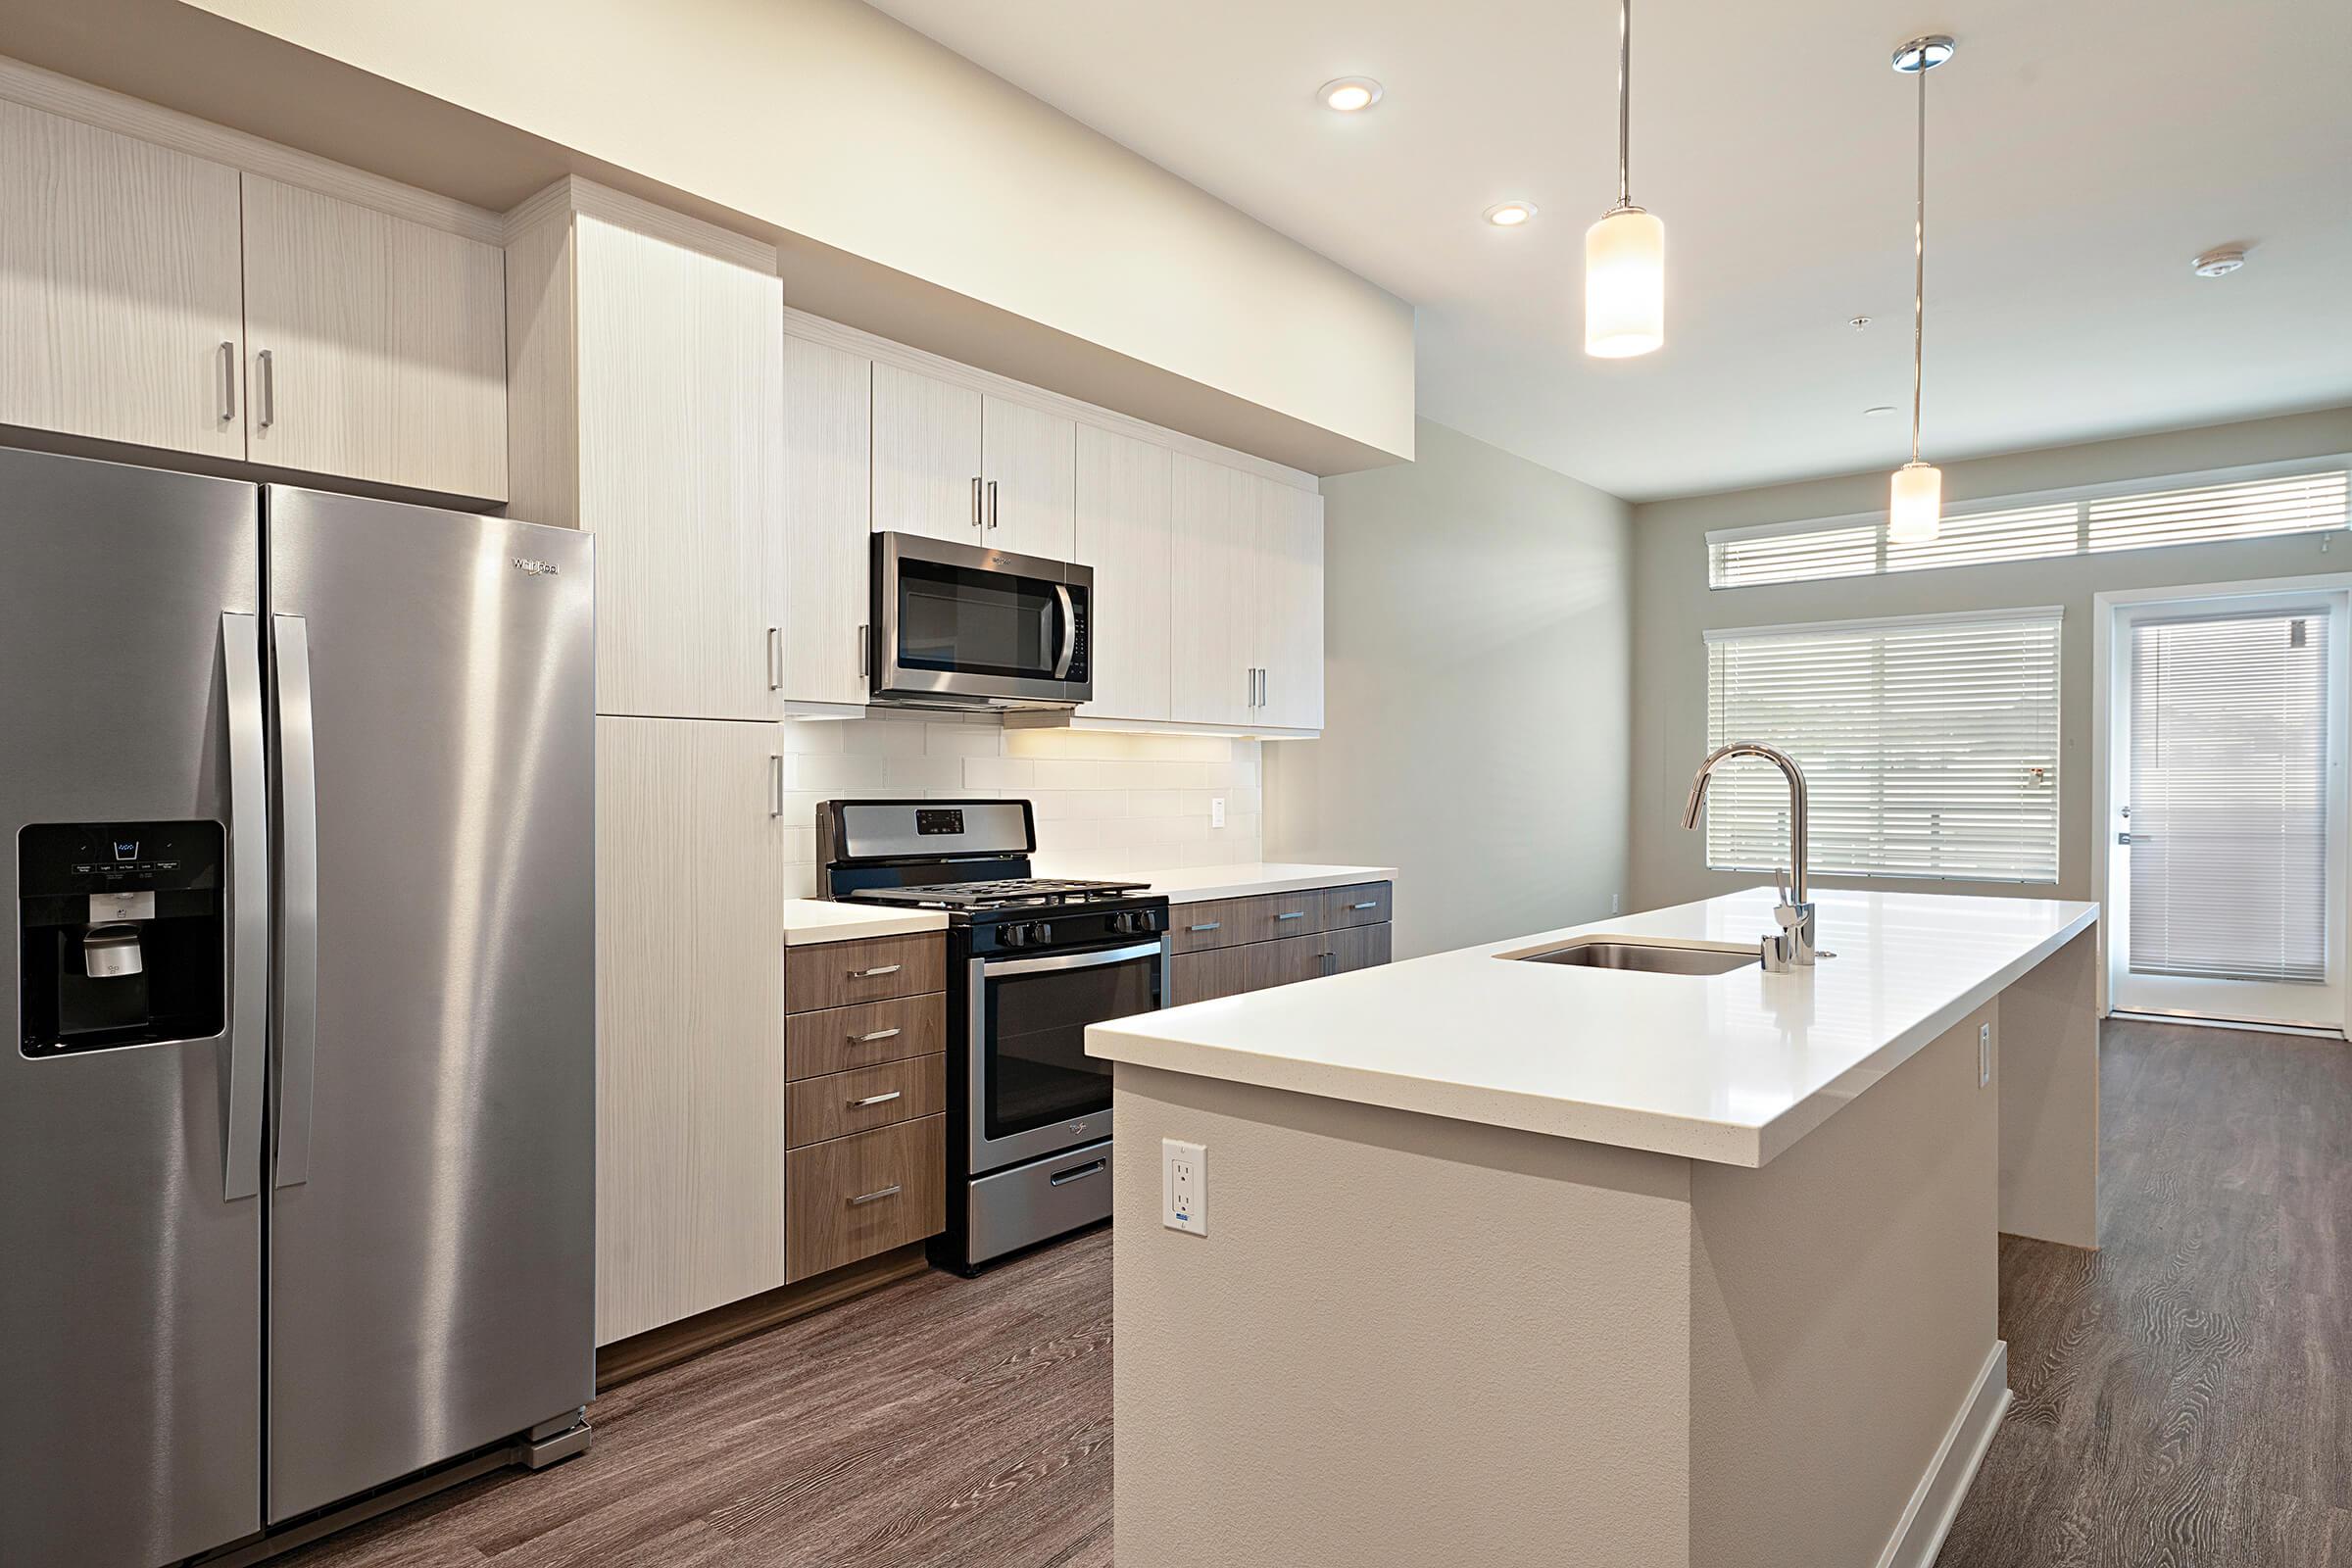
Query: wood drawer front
point(1211, 923)
point(1362, 948)
point(836, 974)
point(901, 1174)
point(1284, 963)
point(839, 1039)
point(1365, 903)
point(817, 1111)
point(1205, 976)
point(1282, 917)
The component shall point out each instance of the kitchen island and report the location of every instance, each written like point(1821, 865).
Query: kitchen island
point(1518, 1261)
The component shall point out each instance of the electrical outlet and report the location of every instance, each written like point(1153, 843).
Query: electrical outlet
point(1184, 1186)
point(1216, 811)
point(1984, 1054)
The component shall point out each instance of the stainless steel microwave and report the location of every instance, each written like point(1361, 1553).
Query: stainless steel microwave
point(958, 626)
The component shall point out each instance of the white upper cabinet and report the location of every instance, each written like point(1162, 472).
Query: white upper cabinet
point(121, 297)
point(926, 446)
point(680, 391)
point(1290, 606)
point(828, 478)
point(375, 347)
point(1125, 500)
point(1212, 588)
point(1028, 461)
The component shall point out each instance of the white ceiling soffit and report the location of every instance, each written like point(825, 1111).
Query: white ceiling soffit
point(2079, 155)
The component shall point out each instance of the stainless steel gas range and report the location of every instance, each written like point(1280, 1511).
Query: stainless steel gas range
point(1031, 963)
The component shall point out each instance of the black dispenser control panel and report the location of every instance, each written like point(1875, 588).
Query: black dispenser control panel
point(121, 931)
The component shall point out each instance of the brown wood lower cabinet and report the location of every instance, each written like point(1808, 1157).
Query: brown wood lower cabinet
point(855, 1197)
point(1226, 947)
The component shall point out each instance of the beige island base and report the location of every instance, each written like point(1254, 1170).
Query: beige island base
point(1509, 1262)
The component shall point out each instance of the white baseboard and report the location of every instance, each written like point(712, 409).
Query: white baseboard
point(1928, 1517)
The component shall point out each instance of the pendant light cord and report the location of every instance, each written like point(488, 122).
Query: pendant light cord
point(1919, 262)
point(1625, 92)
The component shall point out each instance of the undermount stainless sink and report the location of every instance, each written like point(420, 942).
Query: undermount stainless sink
point(1648, 957)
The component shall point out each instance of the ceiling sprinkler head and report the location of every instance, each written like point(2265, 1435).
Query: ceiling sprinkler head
point(2220, 262)
point(1858, 323)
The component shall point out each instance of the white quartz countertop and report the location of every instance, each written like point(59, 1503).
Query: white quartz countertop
point(808, 920)
point(1194, 883)
point(1732, 1068)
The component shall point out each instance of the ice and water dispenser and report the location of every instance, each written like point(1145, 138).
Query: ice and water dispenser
point(120, 929)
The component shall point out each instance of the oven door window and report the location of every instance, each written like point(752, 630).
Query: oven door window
point(960, 622)
point(1035, 1071)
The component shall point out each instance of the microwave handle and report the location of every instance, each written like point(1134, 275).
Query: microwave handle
point(1070, 631)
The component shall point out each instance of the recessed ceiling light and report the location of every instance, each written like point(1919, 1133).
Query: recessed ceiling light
point(1510, 215)
point(1878, 411)
point(2220, 262)
point(1349, 94)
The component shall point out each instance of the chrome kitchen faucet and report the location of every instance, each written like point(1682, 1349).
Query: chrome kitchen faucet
point(1796, 945)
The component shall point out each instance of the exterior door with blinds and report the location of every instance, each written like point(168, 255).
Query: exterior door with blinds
point(2226, 881)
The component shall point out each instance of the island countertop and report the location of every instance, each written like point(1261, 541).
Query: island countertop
point(1730, 1068)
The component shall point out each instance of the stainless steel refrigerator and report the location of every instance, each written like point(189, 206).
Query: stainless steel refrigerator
point(297, 1136)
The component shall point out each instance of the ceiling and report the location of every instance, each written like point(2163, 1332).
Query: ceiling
point(2080, 154)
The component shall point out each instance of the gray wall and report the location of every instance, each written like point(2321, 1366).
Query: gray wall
point(1475, 728)
point(1673, 607)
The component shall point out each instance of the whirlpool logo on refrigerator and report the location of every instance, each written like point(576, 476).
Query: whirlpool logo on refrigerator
point(534, 569)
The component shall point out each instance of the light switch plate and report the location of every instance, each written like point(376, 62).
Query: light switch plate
point(1184, 1186)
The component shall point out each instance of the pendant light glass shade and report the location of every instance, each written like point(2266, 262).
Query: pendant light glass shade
point(1625, 284)
point(1915, 504)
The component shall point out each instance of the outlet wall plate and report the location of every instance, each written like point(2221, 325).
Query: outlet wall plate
point(1184, 1186)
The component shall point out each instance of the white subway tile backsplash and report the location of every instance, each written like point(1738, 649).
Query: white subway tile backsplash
point(1107, 802)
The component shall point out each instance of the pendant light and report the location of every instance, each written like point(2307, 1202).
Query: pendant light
point(1915, 496)
point(1624, 253)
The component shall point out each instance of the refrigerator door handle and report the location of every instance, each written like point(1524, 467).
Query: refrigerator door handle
point(249, 897)
point(298, 901)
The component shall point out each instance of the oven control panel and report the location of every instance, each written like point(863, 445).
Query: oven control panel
point(1062, 927)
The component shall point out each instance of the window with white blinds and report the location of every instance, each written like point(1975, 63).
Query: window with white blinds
point(2068, 523)
point(1930, 745)
point(2228, 796)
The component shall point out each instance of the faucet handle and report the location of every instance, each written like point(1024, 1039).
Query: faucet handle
point(1779, 881)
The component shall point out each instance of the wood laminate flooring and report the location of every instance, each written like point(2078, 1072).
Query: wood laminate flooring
point(2184, 1396)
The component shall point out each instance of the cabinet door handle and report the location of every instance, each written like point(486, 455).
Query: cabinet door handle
point(892, 1191)
point(1265, 698)
point(775, 785)
point(879, 1034)
point(1292, 914)
point(228, 380)
point(991, 503)
point(1211, 926)
point(775, 657)
point(875, 974)
point(865, 649)
point(976, 492)
point(876, 1100)
point(265, 413)
point(1368, 904)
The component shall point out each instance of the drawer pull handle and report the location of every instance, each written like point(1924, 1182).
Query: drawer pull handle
point(1368, 904)
point(1211, 926)
point(875, 974)
point(1294, 914)
point(876, 1100)
point(879, 1034)
point(875, 1196)
point(1076, 1173)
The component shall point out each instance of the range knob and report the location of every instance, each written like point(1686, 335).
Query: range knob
point(1041, 932)
point(1012, 935)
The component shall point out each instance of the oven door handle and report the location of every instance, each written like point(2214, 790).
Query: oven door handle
point(995, 967)
point(1070, 631)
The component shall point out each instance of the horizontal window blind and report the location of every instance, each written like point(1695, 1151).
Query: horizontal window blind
point(1929, 746)
point(2087, 525)
point(2228, 796)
